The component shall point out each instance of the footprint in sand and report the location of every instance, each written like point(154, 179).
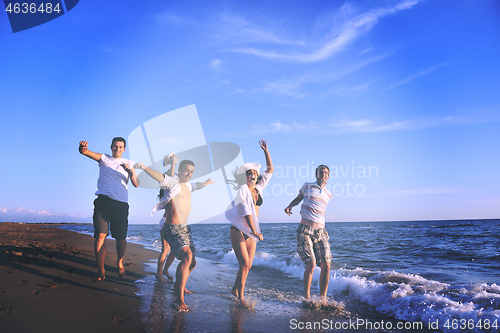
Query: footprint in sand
point(5, 310)
point(38, 291)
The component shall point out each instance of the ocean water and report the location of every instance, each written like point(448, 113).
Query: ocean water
point(444, 272)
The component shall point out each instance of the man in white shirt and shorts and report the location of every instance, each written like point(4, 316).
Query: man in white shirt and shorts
point(313, 246)
point(111, 207)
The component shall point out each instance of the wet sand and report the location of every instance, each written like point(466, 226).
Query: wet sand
point(46, 285)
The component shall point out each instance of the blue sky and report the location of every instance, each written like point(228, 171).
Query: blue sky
point(405, 93)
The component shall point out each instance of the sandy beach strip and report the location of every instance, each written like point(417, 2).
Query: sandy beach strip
point(46, 282)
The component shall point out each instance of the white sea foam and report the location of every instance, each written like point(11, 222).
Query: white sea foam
point(414, 298)
point(404, 296)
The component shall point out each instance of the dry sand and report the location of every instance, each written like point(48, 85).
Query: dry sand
point(46, 283)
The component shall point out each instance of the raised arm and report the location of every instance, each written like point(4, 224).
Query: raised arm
point(172, 160)
point(200, 185)
point(295, 202)
point(269, 162)
point(83, 149)
point(158, 176)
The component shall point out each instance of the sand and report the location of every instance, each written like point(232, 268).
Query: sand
point(46, 283)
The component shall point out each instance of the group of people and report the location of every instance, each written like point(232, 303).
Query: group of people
point(111, 214)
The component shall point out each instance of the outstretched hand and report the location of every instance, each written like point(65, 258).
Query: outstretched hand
point(170, 159)
point(139, 166)
point(263, 145)
point(288, 210)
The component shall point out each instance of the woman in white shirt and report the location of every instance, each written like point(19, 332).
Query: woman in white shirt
point(243, 214)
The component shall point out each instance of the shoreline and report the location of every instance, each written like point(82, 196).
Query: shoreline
point(46, 282)
point(46, 285)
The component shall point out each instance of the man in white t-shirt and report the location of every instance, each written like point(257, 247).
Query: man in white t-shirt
point(313, 246)
point(111, 207)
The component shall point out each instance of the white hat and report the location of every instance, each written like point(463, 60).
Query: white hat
point(249, 166)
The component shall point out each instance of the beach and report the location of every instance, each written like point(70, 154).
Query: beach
point(383, 285)
point(46, 283)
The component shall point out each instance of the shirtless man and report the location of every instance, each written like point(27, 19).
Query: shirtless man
point(111, 207)
point(177, 204)
point(313, 246)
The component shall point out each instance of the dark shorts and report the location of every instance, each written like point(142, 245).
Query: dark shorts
point(313, 244)
point(178, 236)
point(110, 214)
point(244, 235)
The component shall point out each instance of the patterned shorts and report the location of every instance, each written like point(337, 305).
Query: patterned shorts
point(178, 236)
point(312, 244)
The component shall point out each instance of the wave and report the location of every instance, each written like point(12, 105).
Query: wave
point(403, 296)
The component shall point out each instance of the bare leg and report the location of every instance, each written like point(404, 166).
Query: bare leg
point(100, 255)
point(308, 274)
point(245, 251)
point(165, 249)
point(170, 260)
point(182, 275)
point(121, 245)
point(324, 279)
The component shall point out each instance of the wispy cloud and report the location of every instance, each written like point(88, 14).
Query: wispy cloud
point(428, 190)
point(335, 127)
point(216, 63)
point(231, 28)
point(352, 29)
point(293, 86)
point(216, 66)
point(416, 75)
point(22, 214)
point(165, 18)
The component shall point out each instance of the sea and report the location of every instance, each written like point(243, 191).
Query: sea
point(444, 274)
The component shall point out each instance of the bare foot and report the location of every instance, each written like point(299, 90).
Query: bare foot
point(234, 292)
point(243, 304)
point(307, 304)
point(99, 278)
point(170, 277)
point(185, 291)
point(181, 306)
point(121, 273)
point(161, 278)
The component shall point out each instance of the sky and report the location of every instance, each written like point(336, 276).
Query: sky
point(399, 98)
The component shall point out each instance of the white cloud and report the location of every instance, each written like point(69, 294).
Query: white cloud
point(416, 75)
point(352, 29)
point(334, 127)
point(165, 18)
point(216, 63)
point(234, 29)
point(293, 86)
point(428, 190)
point(21, 214)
